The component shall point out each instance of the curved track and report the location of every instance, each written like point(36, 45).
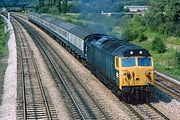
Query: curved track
point(147, 111)
point(140, 111)
point(31, 98)
point(81, 104)
point(168, 85)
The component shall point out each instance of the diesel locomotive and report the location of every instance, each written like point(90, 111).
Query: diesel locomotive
point(127, 66)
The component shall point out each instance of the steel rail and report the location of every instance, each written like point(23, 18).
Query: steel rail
point(168, 84)
point(157, 111)
point(59, 75)
point(22, 76)
point(87, 91)
point(168, 79)
point(172, 92)
point(148, 111)
point(107, 117)
point(55, 68)
point(136, 113)
point(38, 77)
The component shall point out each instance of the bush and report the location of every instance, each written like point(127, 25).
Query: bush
point(53, 10)
point(142, 37)
point(177, 58)
point(130, 33)
point(158, 45)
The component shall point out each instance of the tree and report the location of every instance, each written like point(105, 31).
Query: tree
point(158, 45)
point(177, 58)
point(59, 4)
point(64, 6)
point(41, 3)
point(164, 12)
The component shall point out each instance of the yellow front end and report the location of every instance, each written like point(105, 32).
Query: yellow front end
point(135, 71)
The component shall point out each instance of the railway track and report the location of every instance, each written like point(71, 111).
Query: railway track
point(139, 111)
point(148, 111)
point(32, 102)
point(81, 103)
point(168, 85)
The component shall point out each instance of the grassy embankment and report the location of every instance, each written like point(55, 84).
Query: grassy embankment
point(164, 62)
point(168, 61)
point(3, 53)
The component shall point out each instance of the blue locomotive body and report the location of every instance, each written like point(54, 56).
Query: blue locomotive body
point(101, 52)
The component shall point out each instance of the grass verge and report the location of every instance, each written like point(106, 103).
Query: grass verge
point(163, 62)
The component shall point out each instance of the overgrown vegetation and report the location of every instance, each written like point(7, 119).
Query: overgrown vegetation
point(83, 6)
point(54, 6)
point(158, 45)
point(177, 57)
point(2, 37)
point(158, 31)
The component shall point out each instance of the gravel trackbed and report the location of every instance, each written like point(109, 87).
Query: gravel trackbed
point(8, 108)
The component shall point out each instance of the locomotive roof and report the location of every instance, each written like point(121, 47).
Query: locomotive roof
point(115, 46)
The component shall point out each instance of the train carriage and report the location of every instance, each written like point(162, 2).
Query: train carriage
point(71, 35)
point(77, 36)
point(62, 31)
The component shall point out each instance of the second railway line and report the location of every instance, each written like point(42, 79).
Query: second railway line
point(32, 100)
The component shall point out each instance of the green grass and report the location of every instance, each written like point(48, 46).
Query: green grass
point(2, 37)
point(163, 62)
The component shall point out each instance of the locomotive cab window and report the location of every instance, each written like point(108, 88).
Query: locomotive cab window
point(144, 62)
point(117, 62)
point(128, 62)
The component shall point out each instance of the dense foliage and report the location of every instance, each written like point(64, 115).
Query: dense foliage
point(163, 17)
point(2, 36)
point(158, 45)
point(53, 6)
point(177, 57)
point(90, 6)
point(158, 30)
